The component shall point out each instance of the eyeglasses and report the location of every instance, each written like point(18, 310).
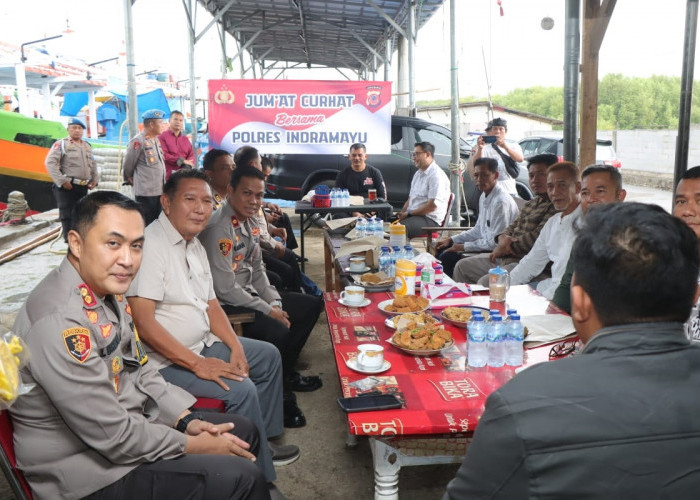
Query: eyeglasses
point(563, 349)
point(416, 153)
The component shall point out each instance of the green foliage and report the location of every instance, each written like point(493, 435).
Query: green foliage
point(623, 102)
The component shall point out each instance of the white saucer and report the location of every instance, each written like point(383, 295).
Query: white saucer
point(348, 270)
point(364, 303)
point(352, 364)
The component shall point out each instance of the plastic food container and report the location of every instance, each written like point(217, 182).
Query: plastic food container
point(405, 278)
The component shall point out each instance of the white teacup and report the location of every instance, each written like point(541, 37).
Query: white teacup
point(357, 264)
point(370, 356)
point(353, 295)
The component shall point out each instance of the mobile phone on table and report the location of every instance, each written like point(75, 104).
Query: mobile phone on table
point(490, 139)
point(369, 403)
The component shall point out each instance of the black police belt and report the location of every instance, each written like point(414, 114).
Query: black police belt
point(79, 182)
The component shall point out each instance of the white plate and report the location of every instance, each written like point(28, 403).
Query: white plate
point(367, 268)
point(384, 303)
point(364, 303)
point(352, 364)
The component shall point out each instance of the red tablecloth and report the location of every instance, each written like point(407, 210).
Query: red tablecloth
point(439, 394)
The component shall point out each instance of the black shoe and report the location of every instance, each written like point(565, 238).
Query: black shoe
point(293, 416)
point(300, 258)
point(283, 454)
point(300, 383)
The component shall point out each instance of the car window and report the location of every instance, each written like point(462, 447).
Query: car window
point(548, 146)
point(397, 141)
point(604, 152)
point(529, 147)
point(442, 142)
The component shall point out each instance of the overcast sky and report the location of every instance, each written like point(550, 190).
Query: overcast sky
point(645, 37)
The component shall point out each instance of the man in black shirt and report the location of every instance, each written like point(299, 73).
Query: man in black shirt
point(360, 177)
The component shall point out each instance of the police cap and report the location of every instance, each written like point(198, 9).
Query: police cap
point(151, 114)
point(75, 121)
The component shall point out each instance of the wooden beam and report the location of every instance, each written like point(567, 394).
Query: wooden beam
point(596, 17)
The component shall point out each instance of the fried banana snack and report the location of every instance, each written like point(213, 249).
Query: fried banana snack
point(423, 337)
point(10, 346)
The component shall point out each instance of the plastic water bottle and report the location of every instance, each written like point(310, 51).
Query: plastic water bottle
point(379, 228)
point(361, 227)
point(514, 341)
point(494, 312)
point(372, 226)
point(334, 197)
point(427, 277)
point(495, 340)
point(408, 252)
point(477, 350)
point(395, 255)
point(385, 261)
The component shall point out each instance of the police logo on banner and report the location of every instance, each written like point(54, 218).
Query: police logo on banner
point(77, 341)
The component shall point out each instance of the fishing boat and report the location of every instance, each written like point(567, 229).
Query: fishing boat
point(24, 144)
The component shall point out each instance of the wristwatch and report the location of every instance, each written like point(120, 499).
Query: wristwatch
point(185, 421)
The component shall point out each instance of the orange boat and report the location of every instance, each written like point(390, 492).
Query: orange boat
point(24, 144)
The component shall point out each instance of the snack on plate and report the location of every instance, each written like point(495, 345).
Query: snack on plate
point(371, 278)
point(413, 320)
point(12, 356)
point(460, 314)
point(408, 303)
point(422, 338)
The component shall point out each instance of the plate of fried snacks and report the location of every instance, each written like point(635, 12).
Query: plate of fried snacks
point(426, 340)
point(409, 320)
point(404, 304)
point(459, 316)
point(375, 282)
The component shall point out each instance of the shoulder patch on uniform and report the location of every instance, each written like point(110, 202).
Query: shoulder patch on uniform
point(137, 144)
point(78, 344)
point(225, 246)
point(106, 330)
point(87, 295)
point(56, 145)
point(91, 315)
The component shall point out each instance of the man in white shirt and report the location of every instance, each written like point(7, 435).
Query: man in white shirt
point(429, 194)
point(497, 128)
point(497, 209)
point(558, 234)
point(189, 338)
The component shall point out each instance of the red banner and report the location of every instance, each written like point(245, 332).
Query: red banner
point(300, 116)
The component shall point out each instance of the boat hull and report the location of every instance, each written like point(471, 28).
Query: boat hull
point(22, 169)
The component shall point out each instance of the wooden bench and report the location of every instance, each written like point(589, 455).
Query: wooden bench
point(238, 320)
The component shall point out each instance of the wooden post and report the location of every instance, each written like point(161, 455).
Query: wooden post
point(596, 17)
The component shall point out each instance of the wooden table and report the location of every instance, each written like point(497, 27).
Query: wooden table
point(444, 399)
point(304, 208)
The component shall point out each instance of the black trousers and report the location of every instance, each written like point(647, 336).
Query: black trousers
point(303, 312)
point(66, 200)
point(150, 207)
point(449, 261)
point(196, 477)
point(287, 268)
point(284, 222)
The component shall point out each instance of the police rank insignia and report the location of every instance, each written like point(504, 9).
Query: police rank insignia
point(106, 330)
point(119, 297)
point(78, 343)
point(91, 315)
point(127, 309)
point(117, 364)
point(234, 266)
point(255, 231)
point(234, 222)
point(239, 256)
point(86, 294)
point(225, 246)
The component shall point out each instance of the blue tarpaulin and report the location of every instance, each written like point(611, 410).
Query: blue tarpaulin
point(150, 100)
point(73, 103)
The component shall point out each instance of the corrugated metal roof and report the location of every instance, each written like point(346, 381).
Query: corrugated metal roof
point(315, 32)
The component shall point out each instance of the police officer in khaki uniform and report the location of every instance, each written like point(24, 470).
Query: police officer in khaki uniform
point(232, 242)
point(144, 165)
point(100, 422)
point(73, 170)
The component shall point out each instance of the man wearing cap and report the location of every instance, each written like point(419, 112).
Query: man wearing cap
point(498, 128)
point(144, 165)
point(177, 148)
point(73, 170)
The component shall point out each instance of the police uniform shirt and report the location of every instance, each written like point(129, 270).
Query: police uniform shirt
point(69, 159)
point(236, 261)
point(144, 163)
point(99, 408)
point(175, 274)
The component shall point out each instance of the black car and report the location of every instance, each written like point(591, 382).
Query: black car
point(293, 175)
point(604, 150)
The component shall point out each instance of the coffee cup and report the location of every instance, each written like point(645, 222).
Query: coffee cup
point(370, 356)
point(353, 295)
point(357, 264)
